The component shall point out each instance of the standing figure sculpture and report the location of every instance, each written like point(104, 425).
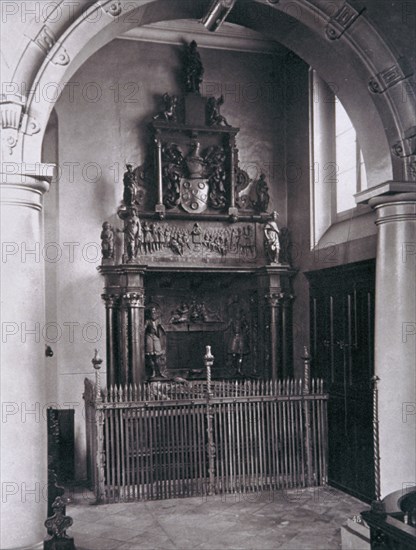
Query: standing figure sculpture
point(129, 181)
point(271, 239)
point(107, 241)
point(239, 344)
point(155, 353)
point(193, 69)
point(133, 235)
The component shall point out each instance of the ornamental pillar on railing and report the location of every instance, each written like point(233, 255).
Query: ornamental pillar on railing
point(306, 408)
point(99, 425)
point(209, 361)
point(376, 443)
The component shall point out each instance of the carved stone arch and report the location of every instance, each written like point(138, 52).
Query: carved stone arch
point(335, 43)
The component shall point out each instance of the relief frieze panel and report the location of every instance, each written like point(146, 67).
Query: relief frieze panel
point(228, 322)
point(157, 241)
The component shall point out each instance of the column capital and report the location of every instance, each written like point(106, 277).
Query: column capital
point(274, 297)
point(23, 184)
point(387, 192)
point(133, 299)
point(110, 300)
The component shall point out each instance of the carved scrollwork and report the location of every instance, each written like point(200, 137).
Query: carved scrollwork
point(172, 171)
point(59, 523)
point(215, 158)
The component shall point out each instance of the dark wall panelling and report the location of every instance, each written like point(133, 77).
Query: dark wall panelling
point(342, 340)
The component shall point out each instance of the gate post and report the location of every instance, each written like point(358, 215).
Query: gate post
point(209, 361)
point(306, 407)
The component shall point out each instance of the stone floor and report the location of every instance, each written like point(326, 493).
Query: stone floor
point(290, 520)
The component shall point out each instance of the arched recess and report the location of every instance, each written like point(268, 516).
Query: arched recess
point(339, 54)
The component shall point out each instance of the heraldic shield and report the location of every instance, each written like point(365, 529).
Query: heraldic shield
point(194, 194)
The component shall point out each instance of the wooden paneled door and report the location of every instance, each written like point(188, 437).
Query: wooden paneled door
point(342, 346)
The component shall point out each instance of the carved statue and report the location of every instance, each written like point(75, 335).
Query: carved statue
point(263, 197)
point(239, 342)
point(193, 69)
point(169, 112)
point(181, 315)
point(271, 239)
point(107, 241)
point(214, 115)
point(130, 185)
point(196, 234)
point(155, 352)
point(133, 235)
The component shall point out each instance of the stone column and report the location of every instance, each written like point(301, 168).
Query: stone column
point(273, 301)
point(274, 285)
point(395, 330)
point(133, 302)
point(111, 337)
point(23, 374)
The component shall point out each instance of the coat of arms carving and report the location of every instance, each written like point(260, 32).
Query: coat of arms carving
point(194, 180)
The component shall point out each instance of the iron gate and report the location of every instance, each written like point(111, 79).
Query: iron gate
point(168, 440)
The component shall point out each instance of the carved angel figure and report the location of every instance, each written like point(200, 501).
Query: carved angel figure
point(169, 112)
point(214, 116)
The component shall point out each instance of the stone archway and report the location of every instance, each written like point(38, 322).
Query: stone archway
point(335, 44)
point(56, 49)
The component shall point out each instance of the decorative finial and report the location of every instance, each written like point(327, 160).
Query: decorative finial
point(96, 360)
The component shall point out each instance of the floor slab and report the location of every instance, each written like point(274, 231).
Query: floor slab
point(279, 520)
